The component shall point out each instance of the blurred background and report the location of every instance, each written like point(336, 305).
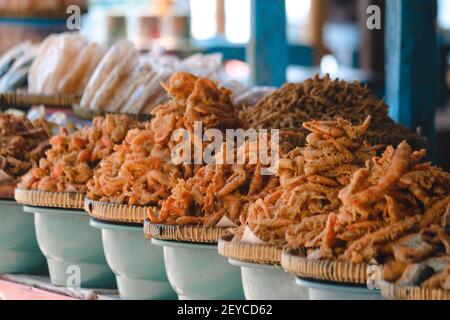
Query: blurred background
point(325, 35)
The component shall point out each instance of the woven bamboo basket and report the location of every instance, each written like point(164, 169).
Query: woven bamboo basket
point(294, 261)
point(88, 114)
point(113, 212)
point(22, 100)
point(36, 198)
point(192, 234)
point(393, 292)
point(255, 253)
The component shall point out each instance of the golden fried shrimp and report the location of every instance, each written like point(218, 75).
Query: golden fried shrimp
point(69, 163)
point(389, 233)
point(401, 162)
point(434, 214)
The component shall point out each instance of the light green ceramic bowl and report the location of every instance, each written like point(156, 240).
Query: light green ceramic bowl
point(19, 250)
point(139, 266)
point(268, 282)
point(328, 291)
point(198, 272)
point(73, 249)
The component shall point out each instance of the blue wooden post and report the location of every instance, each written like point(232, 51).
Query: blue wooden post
point(267, 51)
point(412, 64)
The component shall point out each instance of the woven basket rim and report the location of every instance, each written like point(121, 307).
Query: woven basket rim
point(295, 262)
point(29, 99)
point(88, 114)
point(57, 13)
point(114, 212)
point(249, 252)
point(394, 292)
point(191, 234)
point(39, 198)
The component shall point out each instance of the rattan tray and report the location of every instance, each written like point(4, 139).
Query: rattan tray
point(184, 233)
point(294, 261)
point(113, 212)
point(22, 100)
point(36, 198)
point(88, 114)
point(393, 292)
point(255, 253)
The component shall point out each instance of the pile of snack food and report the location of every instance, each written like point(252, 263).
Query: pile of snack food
point(63, 65)
point(224, 188)
point(141, 171)
point(22, 144)
point(69, 163)
point(123, 83)
point(310, 180)
point(392, 196)
point(321, 98)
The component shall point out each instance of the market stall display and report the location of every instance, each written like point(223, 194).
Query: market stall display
point(163, 193)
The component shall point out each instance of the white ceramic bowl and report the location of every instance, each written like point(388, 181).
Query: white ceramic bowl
point(268, 282)
point(72, 247)
point(198, 272)
point(138, 265)
point(326, 291)
point(19, 250)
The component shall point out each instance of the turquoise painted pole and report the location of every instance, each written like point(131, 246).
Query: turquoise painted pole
point(267, 51)
point(412, 65)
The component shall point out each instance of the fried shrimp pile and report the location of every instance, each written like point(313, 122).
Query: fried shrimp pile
point(322, 99)
point(70, 161)
point(138, 172)
point(221, 189)
point(141, 171)
point(393, 196)
point(311, 178)
point(22, 144)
